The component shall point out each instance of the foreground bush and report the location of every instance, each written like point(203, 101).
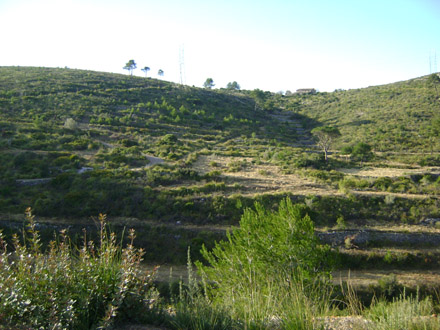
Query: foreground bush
point(72, 288)
point(272, 269)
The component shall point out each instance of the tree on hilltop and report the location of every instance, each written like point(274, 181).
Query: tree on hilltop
point(233, 86)
point(209, 83)
point(325, 135)
point(145, 70)
point(259, 97)
point(130, 66)
point(160, 73)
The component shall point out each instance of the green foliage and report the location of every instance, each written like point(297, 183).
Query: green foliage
point(267, 244)
point(130, 66)
point(404, 312)
point(324, 176)
point(194, 310)
point(434, 81)
point(271, 270)
point(389, 285)
point(346, 150)
point(340, 223)
point(145, 70)
point(325, 136)
point(233, 86)
point(316, 161)
point(169, 139)
point(429, 160)
point(69, 287)
point(236, 166)
point(392, 117)
point(209, 83)
point(70, 123)
point(362, 152)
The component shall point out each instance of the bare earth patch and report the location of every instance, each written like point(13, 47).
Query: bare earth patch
point(376, 172)
point(410, 278)
point(261, 178)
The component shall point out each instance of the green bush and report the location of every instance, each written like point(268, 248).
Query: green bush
point(316, 161)
point(325, 176)
point(404, 312)
point(68, 287)
point(383, 183)
point(270, 253)
point(170, 139)
point(429, 161)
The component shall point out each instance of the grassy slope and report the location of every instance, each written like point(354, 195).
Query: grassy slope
point(51, 95)
point(392, 117)
point(224, 152)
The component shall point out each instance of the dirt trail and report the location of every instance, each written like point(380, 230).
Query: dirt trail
point(411, 278)
point(376, 172)
point(304, 137)
point(152, 160)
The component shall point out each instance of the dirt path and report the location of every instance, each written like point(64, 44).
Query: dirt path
point(304, 137)
point(376, 172)
point(153, 160)
point(410, 278)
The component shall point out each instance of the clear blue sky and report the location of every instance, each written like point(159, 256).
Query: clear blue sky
point(274, 45)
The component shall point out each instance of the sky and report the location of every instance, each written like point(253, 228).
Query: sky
point(274, 45)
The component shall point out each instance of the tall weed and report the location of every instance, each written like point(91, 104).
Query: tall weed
point(69, 287)
point(404, 312)
point(193, 310)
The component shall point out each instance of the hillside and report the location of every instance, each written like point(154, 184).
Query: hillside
point(181, 163)
point(392, 118)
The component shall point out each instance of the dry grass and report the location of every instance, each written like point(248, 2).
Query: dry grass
point(261, 178)
point(409, 278)
point(268, 178)
point(376, 172)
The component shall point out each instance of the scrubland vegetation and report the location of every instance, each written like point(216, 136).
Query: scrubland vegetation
point(232, 175)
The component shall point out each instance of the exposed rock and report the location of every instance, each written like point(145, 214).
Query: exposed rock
point(365, 237)
point(430, 222)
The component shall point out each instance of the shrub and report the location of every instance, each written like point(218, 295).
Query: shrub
point(316, 161)
point(236, 166)
point(353, 183)
point(429, 161)
point(213, 164)
point(265, 258)
point(340, 222)
point(383, 183)
point(362, 152)
point(404, 312)
point(71, 124)
point(170, 139)
point(389, 286)
point(76, 288)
